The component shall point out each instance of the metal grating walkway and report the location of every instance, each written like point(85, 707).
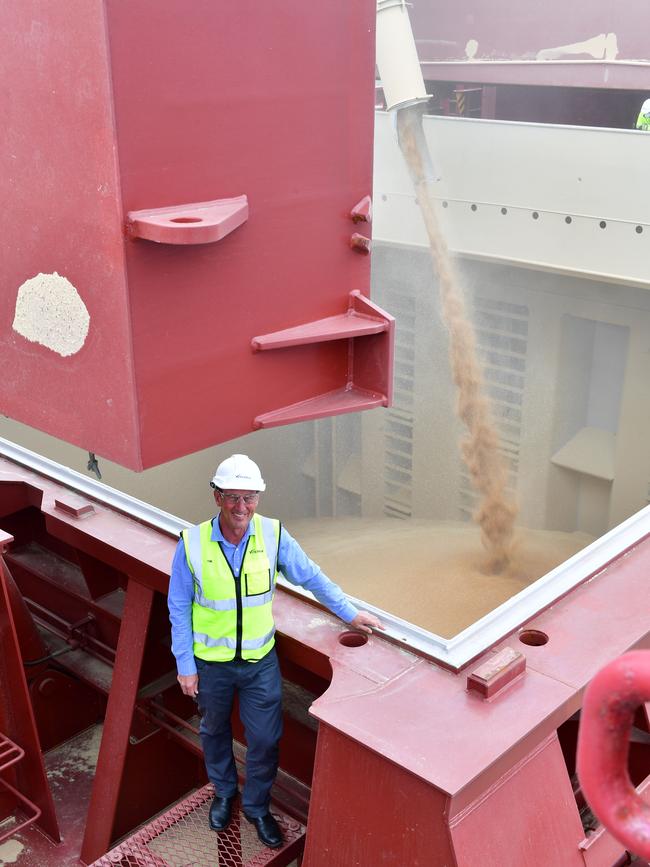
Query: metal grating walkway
point(181, 838)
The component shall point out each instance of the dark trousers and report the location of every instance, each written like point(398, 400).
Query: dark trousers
point(259, 687)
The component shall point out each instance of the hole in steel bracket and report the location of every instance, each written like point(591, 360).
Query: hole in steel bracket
point(353, 639)
point(194, 223)
point(533, 637)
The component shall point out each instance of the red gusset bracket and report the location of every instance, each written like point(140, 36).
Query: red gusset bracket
point(362, 211)
point(196, 223)
point(10, 753)
point(369, 335)
point(608, 710)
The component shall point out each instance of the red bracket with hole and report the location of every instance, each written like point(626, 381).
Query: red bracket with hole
point(196, 223)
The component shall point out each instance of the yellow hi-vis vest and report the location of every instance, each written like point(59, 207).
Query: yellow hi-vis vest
point(643, 121)
point(232, 617)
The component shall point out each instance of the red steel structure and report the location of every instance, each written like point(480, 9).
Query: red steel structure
point(200, 175)
point(178, 174)
point(387, 757)
point(611, 702)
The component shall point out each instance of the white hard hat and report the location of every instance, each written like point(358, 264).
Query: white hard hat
point(238, 472)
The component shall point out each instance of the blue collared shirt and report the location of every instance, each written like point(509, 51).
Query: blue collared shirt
point(294, 564)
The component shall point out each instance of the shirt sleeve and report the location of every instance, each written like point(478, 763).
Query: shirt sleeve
point(297, 568)
point(179, 602)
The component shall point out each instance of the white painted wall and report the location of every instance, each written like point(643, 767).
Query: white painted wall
point(590, 175)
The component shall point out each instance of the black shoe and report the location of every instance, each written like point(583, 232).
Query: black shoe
point(220, 810)
point(267, 829)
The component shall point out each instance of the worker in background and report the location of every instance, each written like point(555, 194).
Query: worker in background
point(220, 606)
point(643, 120)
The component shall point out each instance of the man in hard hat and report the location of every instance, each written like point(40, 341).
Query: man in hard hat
point(643, 120)
point(220, 606)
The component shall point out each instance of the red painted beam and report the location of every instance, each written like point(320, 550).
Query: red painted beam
point(119, 715)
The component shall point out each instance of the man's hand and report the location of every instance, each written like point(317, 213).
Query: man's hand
point(189, 684)
point(366, 622)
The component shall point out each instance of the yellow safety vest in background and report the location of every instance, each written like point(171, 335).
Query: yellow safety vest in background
point(643, 122)
point(232, 617)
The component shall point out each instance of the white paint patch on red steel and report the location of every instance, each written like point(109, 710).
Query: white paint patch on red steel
point(10, 851)
point(50, 311)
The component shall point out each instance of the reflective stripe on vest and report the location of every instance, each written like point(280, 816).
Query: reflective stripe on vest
point(247, 644)
point(229, 611)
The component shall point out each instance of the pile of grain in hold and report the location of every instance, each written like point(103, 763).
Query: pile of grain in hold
point(496, 512)
point(442, 586)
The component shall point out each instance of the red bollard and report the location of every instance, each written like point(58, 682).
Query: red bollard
point(610, 702)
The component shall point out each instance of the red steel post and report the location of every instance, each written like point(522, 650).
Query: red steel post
point(119, 714)
point(30, 642)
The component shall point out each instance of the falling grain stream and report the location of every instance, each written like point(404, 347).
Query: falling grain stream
point(496, 512)
point(441, 575)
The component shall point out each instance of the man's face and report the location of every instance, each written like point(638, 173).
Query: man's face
point(236, 513)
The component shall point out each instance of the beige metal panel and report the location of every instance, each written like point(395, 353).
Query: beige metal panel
point(630, 486)
point(586, 174)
